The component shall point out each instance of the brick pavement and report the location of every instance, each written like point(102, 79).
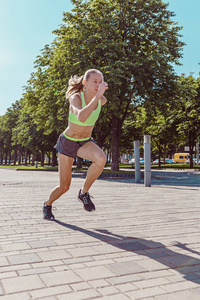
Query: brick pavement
point(140, 243)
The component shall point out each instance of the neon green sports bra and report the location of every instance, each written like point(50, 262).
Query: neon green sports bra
point(91, 120)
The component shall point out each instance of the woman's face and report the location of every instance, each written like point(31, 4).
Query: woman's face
point(92, 84)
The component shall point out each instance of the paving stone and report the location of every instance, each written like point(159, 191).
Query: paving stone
point(132, 246)
point(197, 291)
point(182, 260)
point(94, 273)
point(7, 274)
point(21, 296)
point(99, 283)
point(77, 260)
point(127, 267)
point(48, 298)
point(107, 249)
point(83, 295)
point(1, 290)
point(183, 295)
point(64, 268)
point(124, 279)
point(16, 246)
point(126, 287)
point(80, 286)
point(53, 255)
point(160, 273)
point(11, 268)
point(64, 277)
point(41, 244)
point(50, 291)
point(99, 262)
point(107, 290)
point(151, 283)
point(35, 271)
point(152, 265)
point(145, 293)
point(81, 252)
point(24, 259)
point(20, 284)
point(3, 262)
point(148, 250)
point(51, 263)
point(115, 297)
point(180, 286)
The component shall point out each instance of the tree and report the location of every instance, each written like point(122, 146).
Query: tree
point(132, 42)
point(8, 122)
point(26, 134)
point(186, 112)
point(162, 133)
point(155, 123)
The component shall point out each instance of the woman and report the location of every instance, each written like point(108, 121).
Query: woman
point(86, 96)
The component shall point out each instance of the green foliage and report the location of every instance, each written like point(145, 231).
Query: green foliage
point(186, 111)
point(134, 44)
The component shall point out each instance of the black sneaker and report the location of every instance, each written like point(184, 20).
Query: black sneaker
point(85, 199)
point(47, 212)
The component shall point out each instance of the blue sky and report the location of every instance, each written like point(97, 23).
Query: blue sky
point(26, 27)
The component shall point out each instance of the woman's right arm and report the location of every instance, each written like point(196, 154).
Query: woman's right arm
point(83, 113)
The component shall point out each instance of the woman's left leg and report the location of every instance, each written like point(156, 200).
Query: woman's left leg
point(94, 153)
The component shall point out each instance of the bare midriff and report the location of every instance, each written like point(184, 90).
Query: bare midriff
point(78, 132)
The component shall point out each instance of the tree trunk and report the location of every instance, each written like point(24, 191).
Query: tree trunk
point(9, 157)
point(49, 159)
point(54, 158)
point(164, 153)
point(6, 157)
point(159, 154)
point(19, 154)
point(1, 158)
point(15, 157)
point(191, 146)
point(116, 136)
point(33, 159)
point(42, 158)
point(26, 156)
point(79, 162)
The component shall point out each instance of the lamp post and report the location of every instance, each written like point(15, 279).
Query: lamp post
point(137, 161)
point(147, 160)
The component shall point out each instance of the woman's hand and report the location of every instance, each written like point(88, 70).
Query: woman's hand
point(102, 88)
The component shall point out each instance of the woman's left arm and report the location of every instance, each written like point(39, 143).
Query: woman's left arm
point(103, 100)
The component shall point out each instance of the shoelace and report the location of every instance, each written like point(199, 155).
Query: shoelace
point(86, 199)
point(49, 209)
point(52, 208)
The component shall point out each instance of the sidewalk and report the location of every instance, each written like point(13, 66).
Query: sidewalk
point(140, 243)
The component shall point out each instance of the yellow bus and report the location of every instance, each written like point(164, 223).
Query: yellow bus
point(181, 157)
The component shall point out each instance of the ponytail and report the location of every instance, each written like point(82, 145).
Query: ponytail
point(75, 85)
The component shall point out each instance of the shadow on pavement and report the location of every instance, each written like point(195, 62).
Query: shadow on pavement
point(189, 179)
point(172, 179)
point(187, 265)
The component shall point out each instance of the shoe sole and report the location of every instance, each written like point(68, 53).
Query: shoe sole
point(46, 218)
point(50, 219)
point(84, 206)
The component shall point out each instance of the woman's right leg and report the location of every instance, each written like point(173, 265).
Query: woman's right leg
point(65, 173)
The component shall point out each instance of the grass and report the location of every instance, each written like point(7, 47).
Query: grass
point(166, 166)
point(29, 167)
point(49, 168)
point(130, 168)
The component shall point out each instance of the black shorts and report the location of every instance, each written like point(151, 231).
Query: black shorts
point(68, 147)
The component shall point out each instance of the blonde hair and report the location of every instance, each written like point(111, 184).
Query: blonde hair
point(76, 85)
